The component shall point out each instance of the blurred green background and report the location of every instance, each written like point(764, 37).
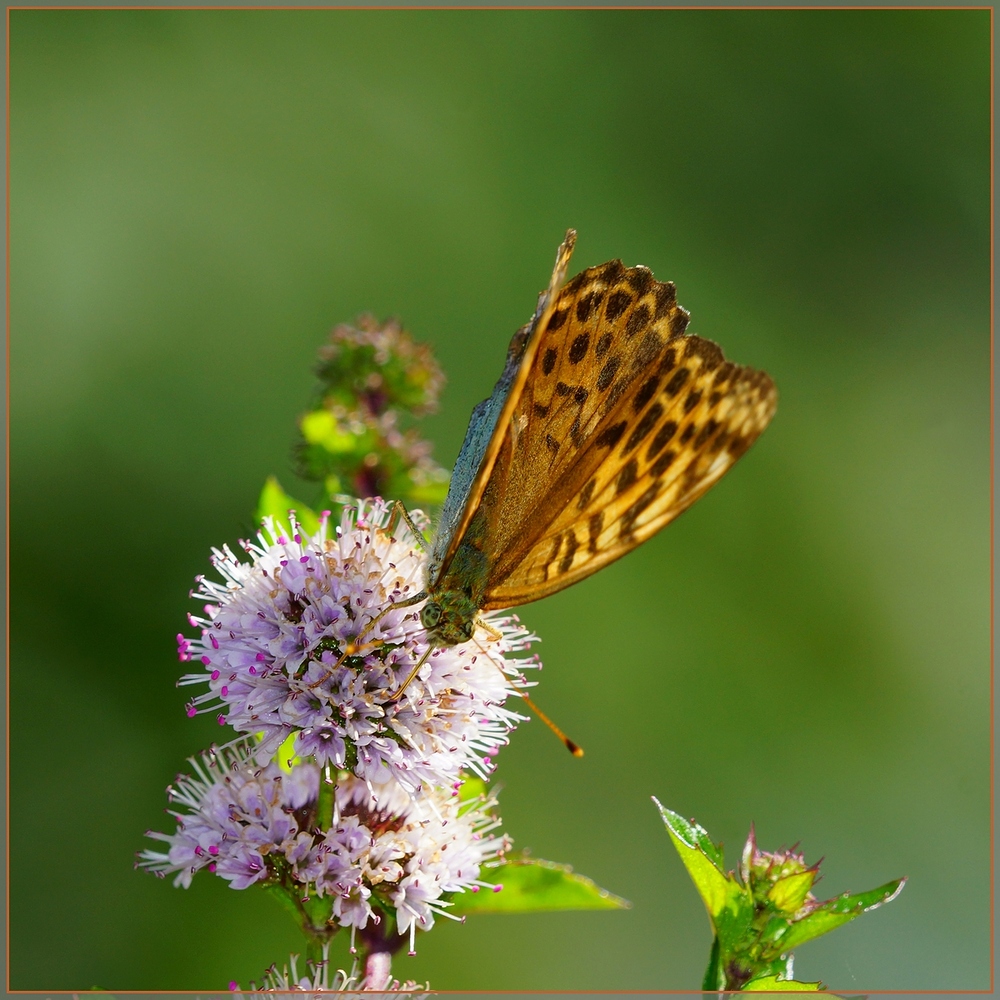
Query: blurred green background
point(197, 197)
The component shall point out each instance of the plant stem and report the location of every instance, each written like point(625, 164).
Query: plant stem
point(378, 970)
point(380, 942)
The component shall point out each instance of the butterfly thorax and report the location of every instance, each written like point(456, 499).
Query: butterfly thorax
point(455, 597)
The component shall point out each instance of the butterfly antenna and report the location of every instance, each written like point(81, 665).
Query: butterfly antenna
point(574, 748)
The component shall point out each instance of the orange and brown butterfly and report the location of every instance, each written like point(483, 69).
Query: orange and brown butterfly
point(607, 422)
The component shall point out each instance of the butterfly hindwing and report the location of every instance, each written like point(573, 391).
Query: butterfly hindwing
point(623, 422)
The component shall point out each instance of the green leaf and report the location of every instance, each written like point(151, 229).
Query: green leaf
point(286, 757)
point(531, 885)
point(774, 984)
point(835, 912)
point(471, 788)
point(715, 977)
point(275, 502)
point(321, 427)
point(723, 895)
point(691, 834)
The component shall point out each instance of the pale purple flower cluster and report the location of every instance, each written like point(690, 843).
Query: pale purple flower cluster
point(398, 854)
point(287, 646)
point(320, 977)
point(343, 785)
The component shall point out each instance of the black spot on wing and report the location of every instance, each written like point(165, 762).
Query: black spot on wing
point(618, 302)
point(553, 555)
point(679, 322)
point(566, 563)
point(738, 445)
point(608, 372)
point(628, 519)
point(677, 380)
point(611, 271)
point(693, 399)
point(586, 495)
point(557, 319)
point(723, 372)
point(594, 528)
point(578, 349)
point(640, 278)
point(610, 436)
point(552, 444)
point(662, 464)
point(666, 299)
point(587, 304)
point(627, 476)
point(709, 352)
point(686, 434)
point(540, 410)
point(646, 392)
point(643, 427)
point(638, 321)
point(576, 283)
point(648, 350)
point(662, 439)
point(603, 344)
point(711, 426)
point(549, 360)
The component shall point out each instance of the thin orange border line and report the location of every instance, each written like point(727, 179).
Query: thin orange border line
point(7, 510)
point(510, 7)
point(493, 8)
point(992, 547)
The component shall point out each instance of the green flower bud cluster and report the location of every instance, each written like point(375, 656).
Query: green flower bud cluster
point(373, 379)
point(765, 911)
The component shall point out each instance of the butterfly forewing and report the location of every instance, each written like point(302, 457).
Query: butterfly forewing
point(622, 423)
point(489, 423)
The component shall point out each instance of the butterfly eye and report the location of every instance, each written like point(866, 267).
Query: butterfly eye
point(466, 629)
point(430, 614)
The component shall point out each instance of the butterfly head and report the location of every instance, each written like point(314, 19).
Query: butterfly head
point(449, 617)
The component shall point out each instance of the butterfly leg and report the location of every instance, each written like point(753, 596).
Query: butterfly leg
point(413, 673)
point(493, 633)
point(356, 647)
point(400, 513)
point(415, 599)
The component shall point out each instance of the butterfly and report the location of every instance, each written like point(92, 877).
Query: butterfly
point(608, 421)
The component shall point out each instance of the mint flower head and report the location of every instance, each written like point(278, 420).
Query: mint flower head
point(326, 841)
point(284, 650)
point(319, 977)
point(374, 380)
